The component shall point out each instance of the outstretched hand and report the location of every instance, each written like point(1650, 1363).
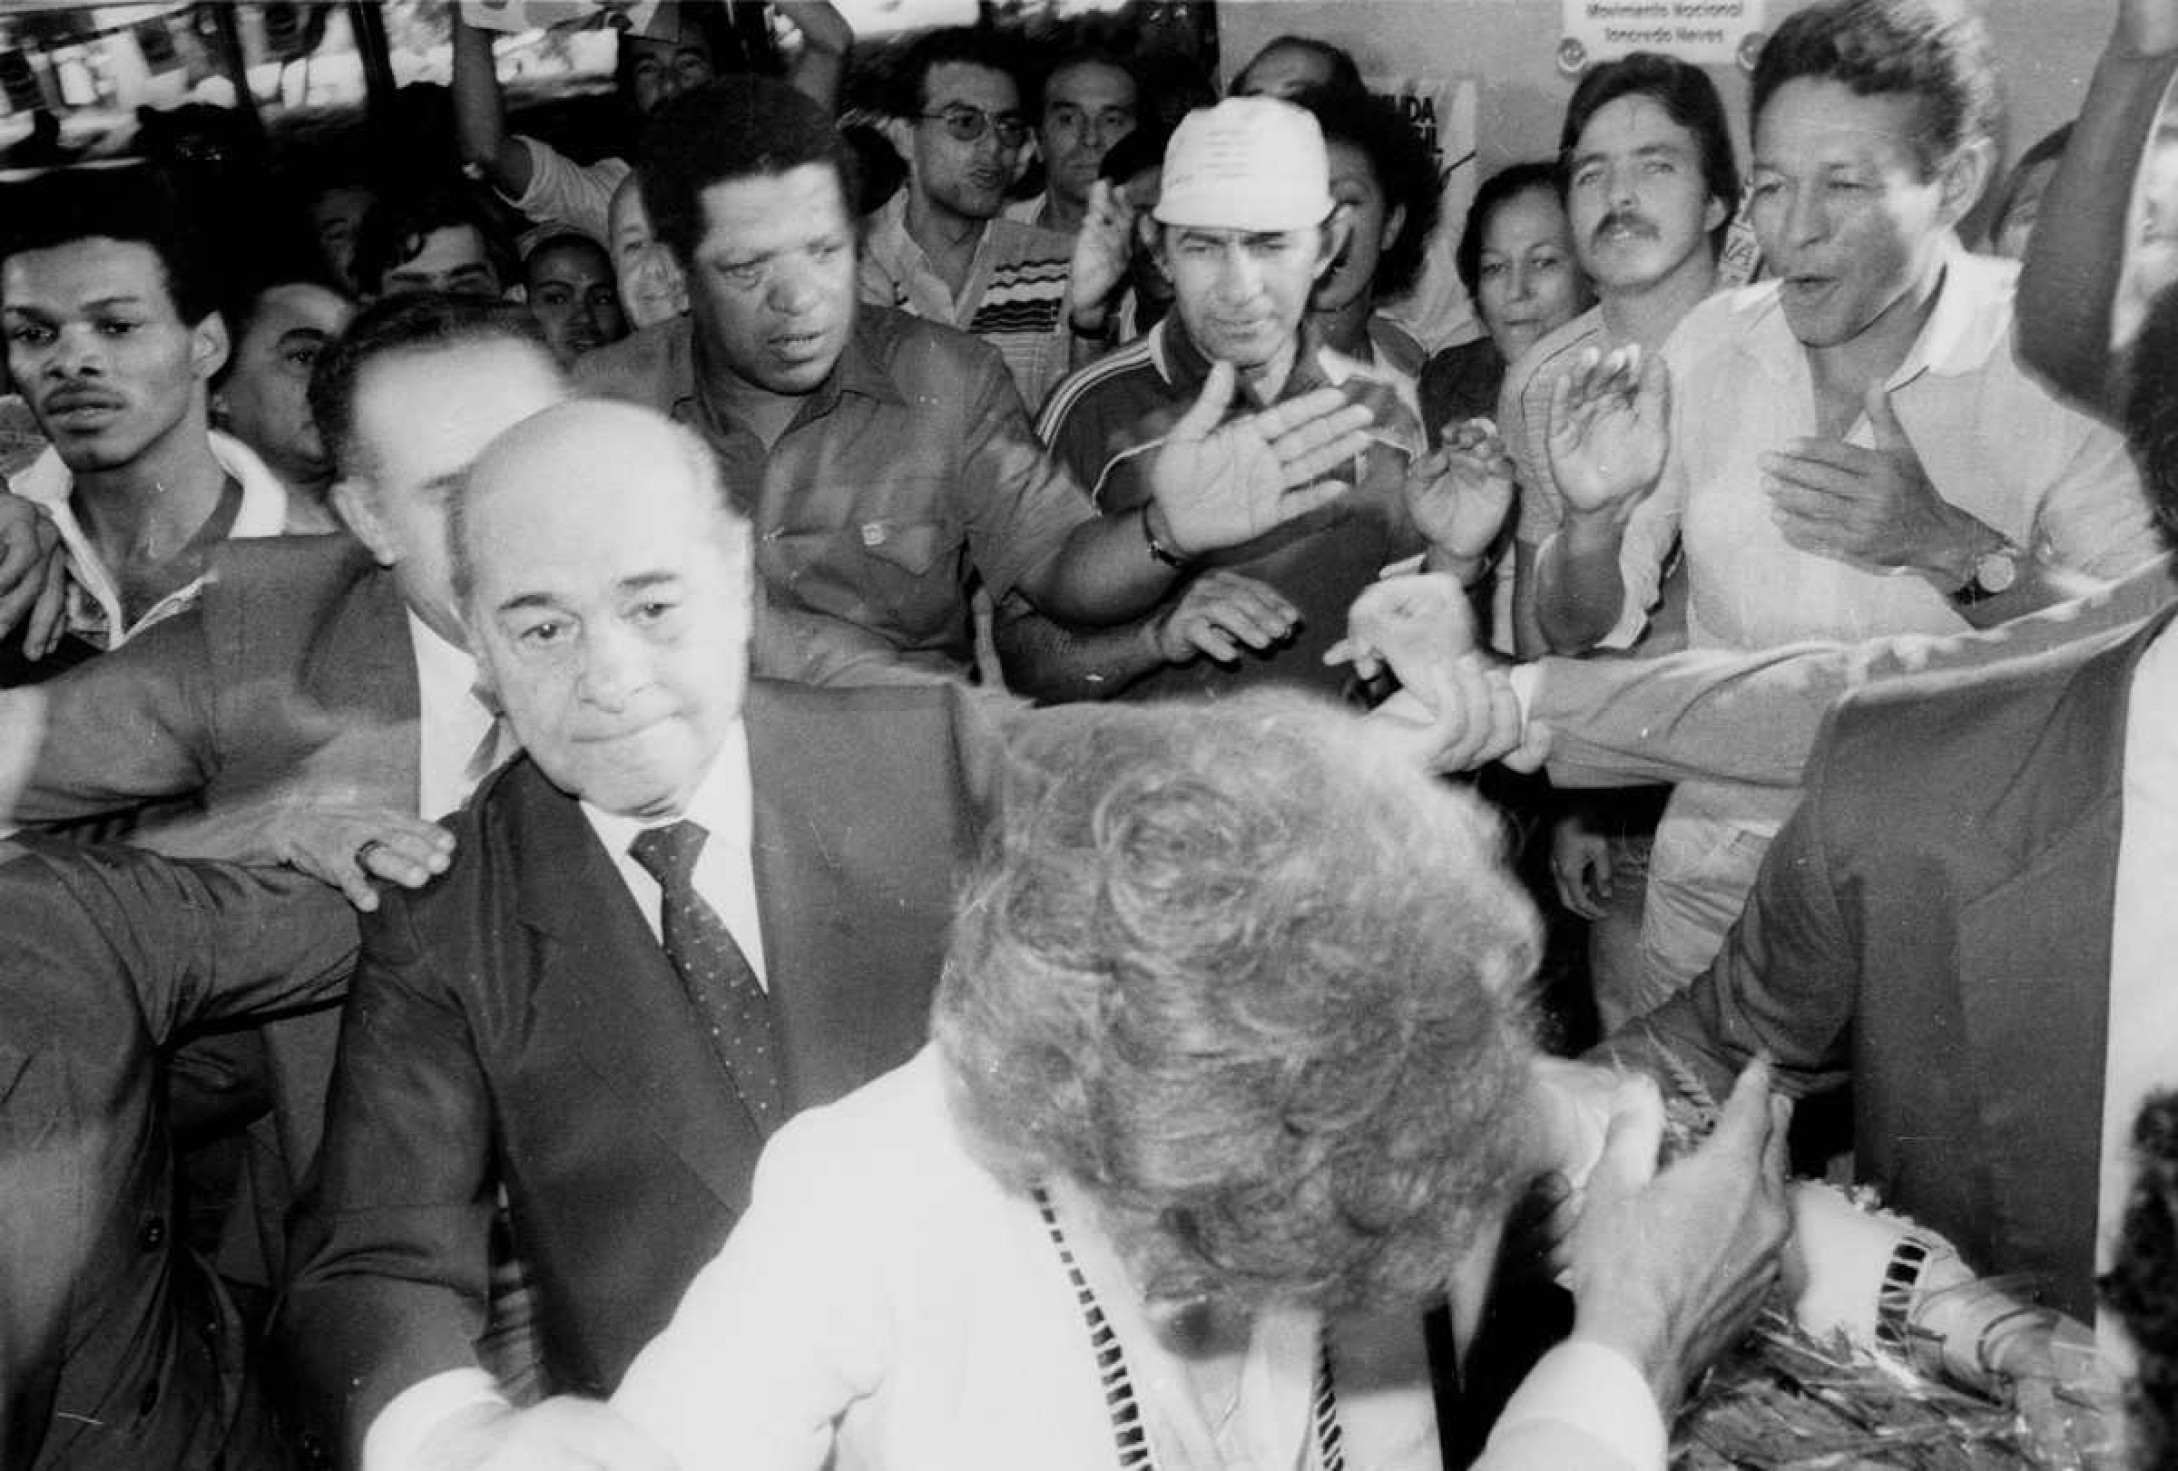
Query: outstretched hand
point(1222, 484)
point(1103, 249)
point(1610, 425)
point(1455, 709)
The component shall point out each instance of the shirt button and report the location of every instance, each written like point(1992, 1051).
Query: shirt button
point(873, 533)
point(153, 1234)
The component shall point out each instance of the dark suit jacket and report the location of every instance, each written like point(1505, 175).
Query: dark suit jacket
point(1934, 923)
point(116, 1349)
point(516, 1024)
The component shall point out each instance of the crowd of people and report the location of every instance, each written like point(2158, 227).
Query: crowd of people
point(833, 791)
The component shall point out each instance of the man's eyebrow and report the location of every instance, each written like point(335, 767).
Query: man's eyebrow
point(645, 581)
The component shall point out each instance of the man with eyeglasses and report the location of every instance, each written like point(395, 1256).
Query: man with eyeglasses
point(941, 248)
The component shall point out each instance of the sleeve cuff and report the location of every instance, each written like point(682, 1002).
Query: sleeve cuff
point(1597, 1391)
point(397, 1437)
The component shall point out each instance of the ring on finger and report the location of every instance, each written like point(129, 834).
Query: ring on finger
point(364, 850)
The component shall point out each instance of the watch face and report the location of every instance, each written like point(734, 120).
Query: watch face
point(1996, 571)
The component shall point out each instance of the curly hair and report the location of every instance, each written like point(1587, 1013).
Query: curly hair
point(1255, 986)
point(1935, 50)
point(1404, 172)
point(739, 128)
point(2150, 417)
point(2142, 1286)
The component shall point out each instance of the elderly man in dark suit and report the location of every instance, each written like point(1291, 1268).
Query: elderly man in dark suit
point(606, 1032)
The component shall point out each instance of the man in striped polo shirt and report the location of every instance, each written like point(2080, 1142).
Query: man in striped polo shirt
point(1244, 227)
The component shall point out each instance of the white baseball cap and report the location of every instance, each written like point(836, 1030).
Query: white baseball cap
point(1249, 163)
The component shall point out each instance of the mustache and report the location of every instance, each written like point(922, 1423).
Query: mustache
point(1625, 219)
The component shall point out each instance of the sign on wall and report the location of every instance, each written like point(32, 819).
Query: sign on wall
point(1705, 32)
point(1442, 110)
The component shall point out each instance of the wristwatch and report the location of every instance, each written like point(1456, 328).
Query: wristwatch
point(1994, 572)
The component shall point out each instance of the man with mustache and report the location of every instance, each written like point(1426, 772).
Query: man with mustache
point(941, 247)
point(1852, 448)
point(1649, 183)
point(113, 337)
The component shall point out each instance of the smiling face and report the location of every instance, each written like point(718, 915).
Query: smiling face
point(1638, 203)
point(572, 295)
point(1374, 221)
point(967, 179)
point(98, 348)
point(265, 400)
point(1088, 107)
point(1850, 221)
point(773, 285)
point(1527, 282)
point(652, 288)
point(610, 601)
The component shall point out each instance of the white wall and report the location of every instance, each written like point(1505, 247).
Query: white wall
point(2047, 48)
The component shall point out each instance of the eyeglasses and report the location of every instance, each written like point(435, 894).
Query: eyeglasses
point(966, 124)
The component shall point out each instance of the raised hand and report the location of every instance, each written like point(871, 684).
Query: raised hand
point(1219, 485)
point(1610, 425)
point(1873, 507)
point(1102, 252)
point(1221, 613)
point(1458, 495)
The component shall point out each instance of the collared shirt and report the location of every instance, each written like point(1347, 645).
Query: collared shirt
point(94, 597)
point(1014, 297)
point(1106, 422)
point(909, 473)
point(725, 875)
point(1992, 440)
point(453, 721)
point(2142, 1050)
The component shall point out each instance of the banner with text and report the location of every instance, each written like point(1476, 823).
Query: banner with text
point(1706, 32)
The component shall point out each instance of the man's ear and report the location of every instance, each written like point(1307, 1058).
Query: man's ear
point(356, 502)
point(1714, 214)
point(1963, 176)
point(208, 346)
point(900, 133)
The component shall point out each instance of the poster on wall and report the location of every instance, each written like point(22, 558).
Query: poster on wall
point(1705, 32)
point(1443, 113)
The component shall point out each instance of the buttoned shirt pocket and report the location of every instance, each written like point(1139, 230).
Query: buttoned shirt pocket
point(897, 576)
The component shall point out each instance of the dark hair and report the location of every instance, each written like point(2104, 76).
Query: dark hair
point(564, 240)
point(1256, 984)
point(697, 23)
point(242, 309)
point(396, 228)
point(2047, 150)
point(1345, 73)
point(1935, 50)
point(409, 321)
point(2142, 1284)
point(1033, 103)
point(138, 205)
point(1500, 189)
point(1404, 171)
point(1687, 96)
point(1144, 148)
point(736, 128)
point(907, 95)
point(2150, 417)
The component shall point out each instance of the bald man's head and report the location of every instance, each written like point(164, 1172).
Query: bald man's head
point(607, 588)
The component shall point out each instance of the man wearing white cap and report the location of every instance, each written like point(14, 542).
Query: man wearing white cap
point(1244, 226)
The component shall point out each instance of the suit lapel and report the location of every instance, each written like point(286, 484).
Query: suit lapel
point(605, 986)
